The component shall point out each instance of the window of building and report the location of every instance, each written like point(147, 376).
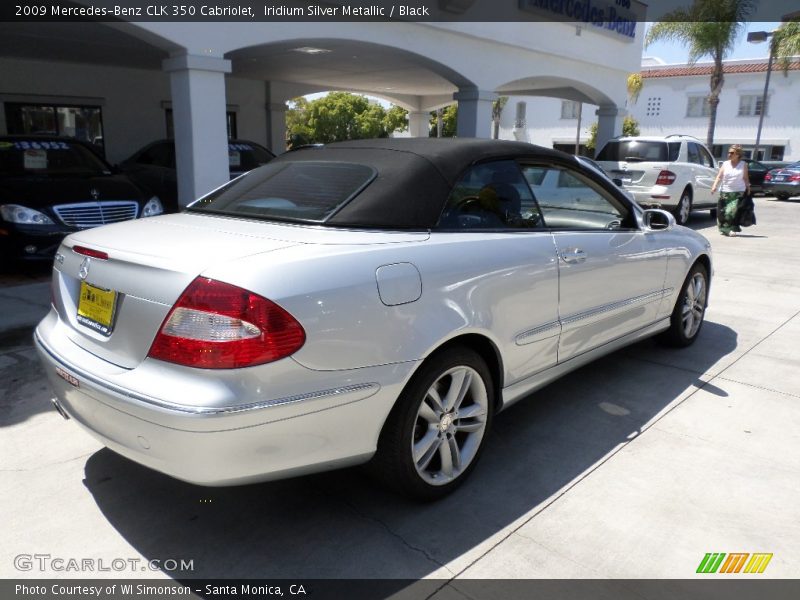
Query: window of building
point(519, 119)
point(751, 105)
point(698, 106)
point(83, 123)
point(230, 120)
point(569, 109)
point(653, 106)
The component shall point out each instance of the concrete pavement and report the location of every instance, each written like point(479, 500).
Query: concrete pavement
point(633, 467)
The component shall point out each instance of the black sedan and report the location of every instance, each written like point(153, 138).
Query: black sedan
point(783, 182)
point(154, 166)
point(756, 171)
point(52, 186)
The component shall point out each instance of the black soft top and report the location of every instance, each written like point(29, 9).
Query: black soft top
point(414, 176)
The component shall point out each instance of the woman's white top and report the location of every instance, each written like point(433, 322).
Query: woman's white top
point(733, 177)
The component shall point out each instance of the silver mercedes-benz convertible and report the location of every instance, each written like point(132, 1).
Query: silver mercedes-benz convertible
point(373, 301)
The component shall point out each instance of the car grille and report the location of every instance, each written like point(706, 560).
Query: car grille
point(93, 214)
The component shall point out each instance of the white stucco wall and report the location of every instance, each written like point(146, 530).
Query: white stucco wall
point(781, 123)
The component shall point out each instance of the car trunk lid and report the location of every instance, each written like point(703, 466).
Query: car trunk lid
point(114, 307)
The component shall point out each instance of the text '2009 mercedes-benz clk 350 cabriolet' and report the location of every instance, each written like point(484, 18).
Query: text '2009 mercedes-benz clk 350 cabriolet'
point(373, 301)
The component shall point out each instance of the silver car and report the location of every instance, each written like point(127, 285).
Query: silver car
point(373, 301)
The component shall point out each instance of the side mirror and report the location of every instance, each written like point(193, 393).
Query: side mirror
point(656, 219)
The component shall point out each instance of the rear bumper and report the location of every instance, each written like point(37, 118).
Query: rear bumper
point(333, 421)
point(790, 189)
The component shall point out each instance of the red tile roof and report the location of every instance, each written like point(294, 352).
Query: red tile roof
point(705, 69)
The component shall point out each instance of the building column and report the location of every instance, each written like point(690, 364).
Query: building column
point(474, 113)
point(609, 124)
point(276, 127)
point(198, 110)
point(419, 123)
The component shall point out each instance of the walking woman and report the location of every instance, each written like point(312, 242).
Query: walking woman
point(735, 183)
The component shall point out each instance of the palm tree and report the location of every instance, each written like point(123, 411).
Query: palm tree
point(497, 110)
point(708, 28)
point(786, 43)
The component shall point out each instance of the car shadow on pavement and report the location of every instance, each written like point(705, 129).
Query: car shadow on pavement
point(342, 525)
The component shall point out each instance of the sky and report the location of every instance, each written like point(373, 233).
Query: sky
point(672, 52)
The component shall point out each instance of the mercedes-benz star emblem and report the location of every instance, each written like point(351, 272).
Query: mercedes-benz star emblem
point(94, 193)
point(83, 271)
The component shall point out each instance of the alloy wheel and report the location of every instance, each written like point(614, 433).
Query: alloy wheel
point(449, 426)
point(694, 305)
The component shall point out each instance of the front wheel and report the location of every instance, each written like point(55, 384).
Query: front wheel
point(436, 431)
point(690, 309)
point(684, 208)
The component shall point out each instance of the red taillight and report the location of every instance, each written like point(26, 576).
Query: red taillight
point(89, 252)
point(665, 178)
point(215, 325)
point(767, 177)
point(794, 178)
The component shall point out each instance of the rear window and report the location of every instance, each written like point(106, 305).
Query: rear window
point(634, 150)
point(293, 191)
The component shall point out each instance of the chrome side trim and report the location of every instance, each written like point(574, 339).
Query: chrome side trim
point(520, 389)
point(365, 389)
point(607, 309)
point(542, 332)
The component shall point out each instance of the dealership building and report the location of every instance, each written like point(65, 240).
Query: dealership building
point(673, 101)
point(125, 84)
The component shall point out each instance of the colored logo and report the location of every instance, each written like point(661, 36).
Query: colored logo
point(736, 562)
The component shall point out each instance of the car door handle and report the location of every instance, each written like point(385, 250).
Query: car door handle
point(573, 256)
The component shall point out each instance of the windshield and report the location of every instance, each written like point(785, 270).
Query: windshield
point(634, 150)
point(294, 191)
point(46, 158)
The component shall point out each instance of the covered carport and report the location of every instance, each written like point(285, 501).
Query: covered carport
point(200, 73)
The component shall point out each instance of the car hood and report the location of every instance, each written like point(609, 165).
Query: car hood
point(41, 192)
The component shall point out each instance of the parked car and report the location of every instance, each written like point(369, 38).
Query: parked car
point(675, 172)
point(154, 166)
point(784, 182)
point(756, 171)
point(374, 300)
point(615, 180)
point(51, 186)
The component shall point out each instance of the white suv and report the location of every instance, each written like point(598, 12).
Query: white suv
point(675, 172)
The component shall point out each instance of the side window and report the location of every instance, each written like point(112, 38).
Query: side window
point(569, 200)
point(707, 159)
point(694, 153)
point(674, 151)
point(491, 195)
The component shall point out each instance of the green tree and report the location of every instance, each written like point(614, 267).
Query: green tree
point(497, 111)
point(707, 28)
point(630, 127)
point(449, 121)
point(786, 43)
point(340, 116)
point(634, 85)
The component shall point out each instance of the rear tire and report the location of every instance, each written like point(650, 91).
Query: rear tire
point(713, 213)
point(684, 208)
point(436, 431)
point(690, 309)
